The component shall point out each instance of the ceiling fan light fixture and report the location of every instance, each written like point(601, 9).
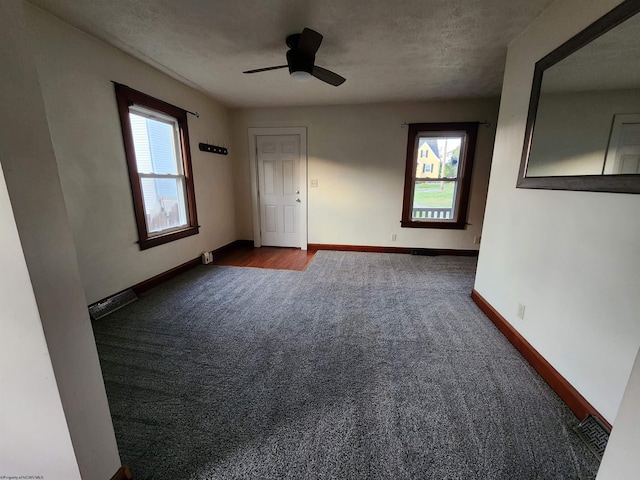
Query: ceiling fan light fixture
point(300, 75)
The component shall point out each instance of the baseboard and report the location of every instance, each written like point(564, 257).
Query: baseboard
point(232, 245)
point(576, 402)
point(164, 276)
point(123, 473)
point(148, 284)
point(407, 250)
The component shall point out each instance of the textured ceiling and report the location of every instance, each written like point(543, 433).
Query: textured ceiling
point(389, 50)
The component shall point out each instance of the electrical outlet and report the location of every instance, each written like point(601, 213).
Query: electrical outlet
point(394, 237)
point(521, 311)
point(207, 257)
point(314, 183)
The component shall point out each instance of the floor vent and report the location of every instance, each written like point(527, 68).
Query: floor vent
point(426, 252)
point(102, 309)
point(593, 432)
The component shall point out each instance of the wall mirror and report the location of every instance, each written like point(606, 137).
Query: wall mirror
point(583, 127)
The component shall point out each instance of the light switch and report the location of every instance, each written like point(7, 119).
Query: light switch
point(314, 183)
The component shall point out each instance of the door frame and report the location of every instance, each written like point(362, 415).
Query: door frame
point(254, 132)
point(619, 120)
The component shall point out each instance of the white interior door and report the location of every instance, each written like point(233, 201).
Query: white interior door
point(278, 158)
point(623, 155)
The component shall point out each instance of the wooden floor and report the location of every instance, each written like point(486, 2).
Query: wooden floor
point(274, 258)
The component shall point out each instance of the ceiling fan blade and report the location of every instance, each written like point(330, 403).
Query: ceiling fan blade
point(309, 42)
point(265, 69)
point(328, 76)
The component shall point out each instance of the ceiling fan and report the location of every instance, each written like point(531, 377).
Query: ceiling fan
point(301, 58)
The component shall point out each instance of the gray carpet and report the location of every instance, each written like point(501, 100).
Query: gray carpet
point(366, 366)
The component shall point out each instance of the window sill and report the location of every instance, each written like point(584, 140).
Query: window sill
point(161, 239)
point(444, 225)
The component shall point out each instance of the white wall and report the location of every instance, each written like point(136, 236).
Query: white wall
point(75, 72)
point(31, 175)
point(35, 439)
point(571, 257)
point(357, 153)
point(621, 459)
point(573, 128)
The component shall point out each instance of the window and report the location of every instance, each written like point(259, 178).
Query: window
point(438, 200)
point(156, 143)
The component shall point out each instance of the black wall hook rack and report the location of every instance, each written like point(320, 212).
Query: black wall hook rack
point(205, 147)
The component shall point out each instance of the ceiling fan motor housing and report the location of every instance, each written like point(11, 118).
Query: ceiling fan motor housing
point(299, 62)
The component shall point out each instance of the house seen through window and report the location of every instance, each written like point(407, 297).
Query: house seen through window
point(438, 174)
point(156, 144)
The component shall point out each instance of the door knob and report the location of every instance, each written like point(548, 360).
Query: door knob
point(298, 200)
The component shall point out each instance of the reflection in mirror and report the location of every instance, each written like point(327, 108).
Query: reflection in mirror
point(584, 117)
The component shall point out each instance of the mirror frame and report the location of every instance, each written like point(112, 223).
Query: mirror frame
point(626, 183)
